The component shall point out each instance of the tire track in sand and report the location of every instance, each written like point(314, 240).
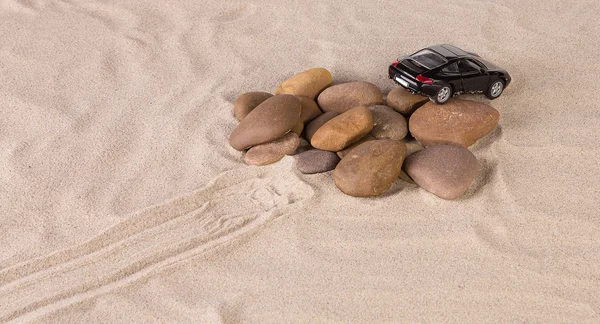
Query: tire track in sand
point(232, 205)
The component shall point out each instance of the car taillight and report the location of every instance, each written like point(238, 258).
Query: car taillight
point(423, 79)
point(395, 63)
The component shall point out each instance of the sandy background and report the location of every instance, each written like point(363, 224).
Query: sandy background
point(121, 201)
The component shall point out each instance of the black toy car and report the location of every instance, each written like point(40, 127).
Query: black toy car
point(442, 71)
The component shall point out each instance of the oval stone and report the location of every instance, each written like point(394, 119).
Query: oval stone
point(314, 125)
point(343, 130)
point(343, 97)
point(387, 123)
point(457, 122)
point(345, 151)
point(371, 168)
point(316, 161)
point(310, 109)
point(269, 121)
point(272, 152)
point(308, 83)
point(404, 102)
point(446, 171)
point(246, 102)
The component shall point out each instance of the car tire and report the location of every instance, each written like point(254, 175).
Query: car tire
point(443, 95)
point(495, 89)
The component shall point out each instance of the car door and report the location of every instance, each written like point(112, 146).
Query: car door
point(451, 74)
point(474, 77)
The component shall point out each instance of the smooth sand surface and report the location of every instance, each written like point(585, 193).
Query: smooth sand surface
point(121, 200)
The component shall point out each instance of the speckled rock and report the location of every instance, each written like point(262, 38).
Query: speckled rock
point(343, 97)
point(316, 123)
point(387, 123)
point(404, 102)
point(310, 109)
point(246, 102)
point(316, 161)
point(447, 171)
point(269, 121)
point(272, 152)
point(371, 168)
point(308, 83)
point(345, 151)
point(410, 149)
point(343, 130)
point(458, 122)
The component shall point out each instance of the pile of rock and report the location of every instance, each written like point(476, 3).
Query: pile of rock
point(348, 129)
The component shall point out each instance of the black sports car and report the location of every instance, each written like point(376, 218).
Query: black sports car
point(442, 71)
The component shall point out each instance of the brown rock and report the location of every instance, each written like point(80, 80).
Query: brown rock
point(246, 102)
point(371, 168)
point(316, 161)
point(308, 83)
point(343, 130)
point(302, 147)
point(314, 125)
point(272, 152)
point(410, 149)
point(298, 128)
point(310, 109)
point(343, 97)
point(269, 121)
point(404, 102)
point(447, 171)
point(387, 123)
point(345, 151)
point(458, 122)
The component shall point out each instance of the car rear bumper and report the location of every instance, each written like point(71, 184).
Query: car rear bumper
point(412, 85)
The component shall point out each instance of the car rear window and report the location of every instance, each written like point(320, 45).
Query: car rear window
point(428, 59)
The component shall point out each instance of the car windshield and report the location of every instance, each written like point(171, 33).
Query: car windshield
point(428, 59)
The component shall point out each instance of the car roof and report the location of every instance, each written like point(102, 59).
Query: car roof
point(449, 51)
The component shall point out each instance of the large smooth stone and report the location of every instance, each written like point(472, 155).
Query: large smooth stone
point(404, 102)
point(387, 123)
point(310, 109)
point(246, 102)
point(272, 152)
point(269, 121)
point(343, 130)
point(446, 171)
point(308, 83)
point(371, 168)
point(314, 125)
point(345, 151)
point(316, 161)
point(458, 122)
point(343, 97)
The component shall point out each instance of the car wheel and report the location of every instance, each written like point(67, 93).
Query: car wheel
point(495, 90)
point(443, 95)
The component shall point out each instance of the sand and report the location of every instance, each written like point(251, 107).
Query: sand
point(121, 201)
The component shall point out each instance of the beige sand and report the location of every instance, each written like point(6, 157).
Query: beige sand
point(120, 200)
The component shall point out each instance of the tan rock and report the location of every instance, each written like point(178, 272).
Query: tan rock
point(269, 121)
point(371, 168)
point(387, 123)
point(458, 122)
point(404, 102)
point(308, 83)
point(246, 102)
point(316, 123)
point(343, 130)
point(447, 171)
point(343, 97)
point(345, 151)
point(272, 152)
